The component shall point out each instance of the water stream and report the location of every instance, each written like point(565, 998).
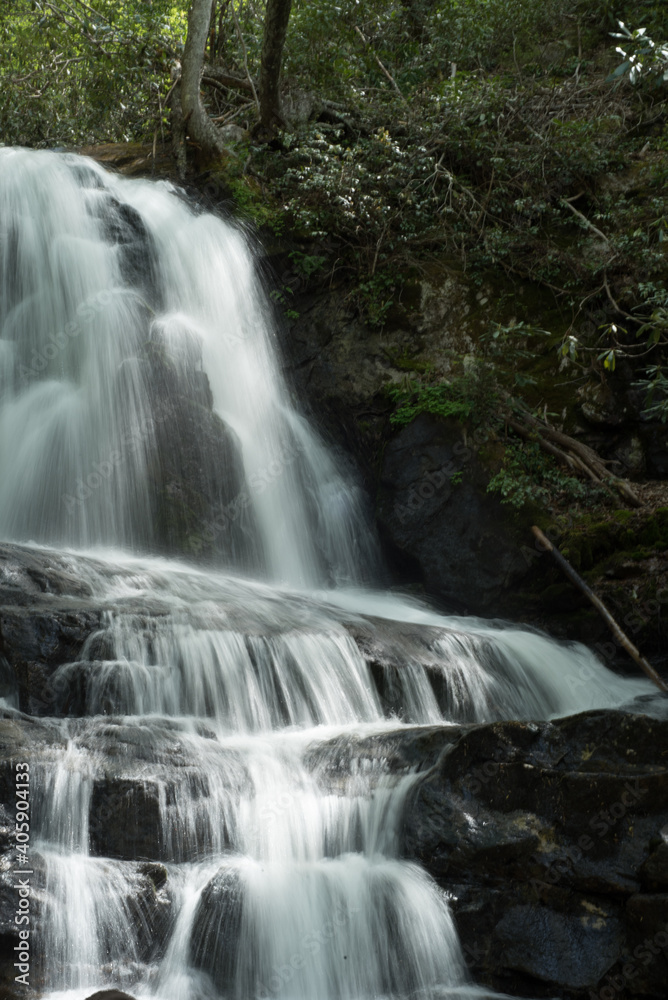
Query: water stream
point(208, 716)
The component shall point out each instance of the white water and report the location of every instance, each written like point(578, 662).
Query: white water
point(94, 271)
point(225, 700)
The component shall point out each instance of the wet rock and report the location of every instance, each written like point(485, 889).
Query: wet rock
point(24, 740)
point(336, 762)
point(124, 228)
point(9, 931)
point(110, 995)
point(647, 945)
point(34, 644)
point(572, 949)
point(46, 615)
point(157, 874)
point(436, 514)
point(391, 649)
point(26, 574)
point(152, 911)
point(125, 820)
point(654, 872)
point(548, 836)
point(216, 928)
point(198, 475)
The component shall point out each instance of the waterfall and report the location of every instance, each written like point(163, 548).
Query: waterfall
point(208, 823)
point(99, 276)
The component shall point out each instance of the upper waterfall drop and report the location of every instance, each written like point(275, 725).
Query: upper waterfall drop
point(116, 298)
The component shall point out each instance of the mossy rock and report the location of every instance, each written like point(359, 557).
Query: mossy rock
point(593, 544)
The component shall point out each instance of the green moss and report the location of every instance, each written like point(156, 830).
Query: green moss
point(407, 362)
point(229, 183)
point(655, 532)
point(597, 546)
point(622, 516)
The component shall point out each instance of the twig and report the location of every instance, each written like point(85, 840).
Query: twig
point(612, 301)
point(225, 119)
point(567, 202)
point(385, 71)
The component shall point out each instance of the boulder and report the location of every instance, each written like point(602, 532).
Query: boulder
point(9, 931)
point(439, 521)
point(125, 820)
point(198, 472)
point(110, 995)
point(550, 838)
point(216, 927)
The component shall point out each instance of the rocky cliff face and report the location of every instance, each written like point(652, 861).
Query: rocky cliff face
point(440, 528)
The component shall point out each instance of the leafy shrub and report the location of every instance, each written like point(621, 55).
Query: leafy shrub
point(471, 394)
point(80, 73)
point(529, 476)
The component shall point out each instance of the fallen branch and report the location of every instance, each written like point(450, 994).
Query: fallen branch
point(588, 460)
point(619, 635)
point(227, 79)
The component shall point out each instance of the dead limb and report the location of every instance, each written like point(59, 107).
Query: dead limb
point(568, 203)
point(617, 632)
point(572, 452)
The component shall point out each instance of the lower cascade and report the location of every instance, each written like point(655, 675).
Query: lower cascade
point(221, 769)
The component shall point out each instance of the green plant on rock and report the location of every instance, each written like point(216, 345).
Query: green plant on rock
point(529, 476)
point(471, 394)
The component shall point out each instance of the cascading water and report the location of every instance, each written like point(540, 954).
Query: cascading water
point(96, 274)
point(203, 832)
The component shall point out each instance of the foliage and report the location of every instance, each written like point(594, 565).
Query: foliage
point(644, 59)
point(529, 476)
point(655, 386)
point(78, 72)
point(479, 130)
point(471, 394)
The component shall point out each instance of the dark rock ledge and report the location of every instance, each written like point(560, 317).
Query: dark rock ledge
point(552, 840)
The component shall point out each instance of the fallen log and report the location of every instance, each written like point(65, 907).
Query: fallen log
point(617, 632)
point(568, 450)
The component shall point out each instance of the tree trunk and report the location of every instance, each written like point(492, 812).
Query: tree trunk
point(276, 20)
point(195, 119)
